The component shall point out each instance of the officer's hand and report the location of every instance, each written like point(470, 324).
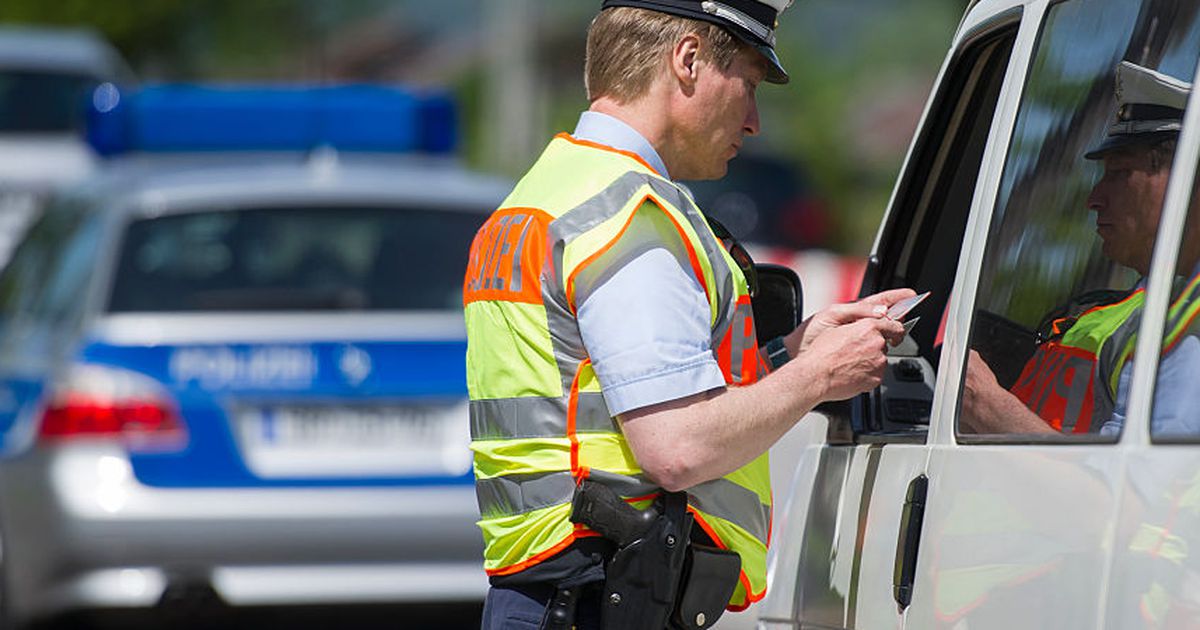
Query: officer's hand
point(852, 357)
point(872, 306)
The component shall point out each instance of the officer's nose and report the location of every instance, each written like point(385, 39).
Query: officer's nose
point(1095, 199)
point(751, 126)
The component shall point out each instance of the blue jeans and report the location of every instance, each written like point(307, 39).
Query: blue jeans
point(524, 607)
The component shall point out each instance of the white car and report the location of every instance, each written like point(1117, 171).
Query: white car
point(47, 76)
point(900, 516)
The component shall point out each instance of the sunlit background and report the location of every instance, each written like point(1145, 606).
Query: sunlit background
point(819, 176)
point(303, 341)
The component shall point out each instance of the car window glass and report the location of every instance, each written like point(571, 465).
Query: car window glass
point(1071, 235)
point(1175, 414)
point(923, 237)
point(67, 279)
point(272, 259)
point(48, 262)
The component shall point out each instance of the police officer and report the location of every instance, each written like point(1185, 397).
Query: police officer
point(611, 338)
point(1078, 381)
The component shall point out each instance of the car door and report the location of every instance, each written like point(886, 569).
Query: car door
point(1155, 565)
point(837, 541)
point(1020, 520)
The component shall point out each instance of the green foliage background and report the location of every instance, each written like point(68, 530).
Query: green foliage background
point(845, 57)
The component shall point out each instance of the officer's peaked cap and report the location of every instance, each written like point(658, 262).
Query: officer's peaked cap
point(1150, 108)
point(752, 21)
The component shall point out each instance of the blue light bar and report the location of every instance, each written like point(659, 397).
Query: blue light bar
point(186, 118)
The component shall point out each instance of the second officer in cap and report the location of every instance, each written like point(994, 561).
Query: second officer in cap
point(611, 344)
point(1077, 380)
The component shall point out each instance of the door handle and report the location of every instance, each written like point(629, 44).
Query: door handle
point(909, 540)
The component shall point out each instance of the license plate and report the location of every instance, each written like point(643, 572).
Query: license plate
point(354, 441)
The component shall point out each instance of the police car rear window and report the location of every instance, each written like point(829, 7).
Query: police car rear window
point(294, 259)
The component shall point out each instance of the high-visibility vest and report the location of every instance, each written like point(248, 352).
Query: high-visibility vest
point(1072, 380)
point(1181, 314)
point(538, 420)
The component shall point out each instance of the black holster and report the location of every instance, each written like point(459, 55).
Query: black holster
point(655, 579)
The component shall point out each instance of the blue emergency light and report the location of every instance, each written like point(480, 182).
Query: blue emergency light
point(187, 118)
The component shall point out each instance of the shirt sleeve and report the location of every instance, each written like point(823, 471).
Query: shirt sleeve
point(1176, 409)
point(1176, 397)
point(646, 329)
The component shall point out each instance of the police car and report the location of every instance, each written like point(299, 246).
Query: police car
point(237, 376)
point(45, 75)
point(914, 506)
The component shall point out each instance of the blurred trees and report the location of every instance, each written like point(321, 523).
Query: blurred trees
point(861, 71)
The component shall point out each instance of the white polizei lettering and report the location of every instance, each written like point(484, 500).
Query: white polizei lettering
point(279, 366)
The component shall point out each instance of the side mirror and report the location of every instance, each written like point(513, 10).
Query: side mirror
point(778, 306)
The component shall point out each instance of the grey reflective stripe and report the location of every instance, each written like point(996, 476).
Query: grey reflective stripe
point(642, 237)
point(534, 417)
point(518, 494)
point(501, 244)
point(564, 330)
point(722, 275)
point(628, 486)
point(516, 258)
point(1107, 364)
point(565, 339)
point(1181, 308)
point(727, 500)
point(599, 208)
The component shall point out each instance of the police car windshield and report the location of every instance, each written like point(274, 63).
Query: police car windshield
point(294, 259)
point(40, 102)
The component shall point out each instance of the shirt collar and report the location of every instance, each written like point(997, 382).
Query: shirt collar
point(611, 131)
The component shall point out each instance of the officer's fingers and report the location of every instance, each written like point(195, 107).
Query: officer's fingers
point(839, 314)
point(889, 328)
point(889, 297)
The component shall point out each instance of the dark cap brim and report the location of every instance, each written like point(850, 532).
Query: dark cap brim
point(1123, 141)
point(775, 72)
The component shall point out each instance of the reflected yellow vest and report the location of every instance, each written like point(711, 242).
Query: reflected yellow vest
point(1071, 382)
point(538, 420)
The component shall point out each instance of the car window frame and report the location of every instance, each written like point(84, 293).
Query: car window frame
point(924, 182)
point(1176, 205)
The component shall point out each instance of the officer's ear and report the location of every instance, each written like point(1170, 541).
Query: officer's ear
point(684, 57)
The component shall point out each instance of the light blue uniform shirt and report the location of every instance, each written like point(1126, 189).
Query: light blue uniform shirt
point(646, 328)
point(1176, 410)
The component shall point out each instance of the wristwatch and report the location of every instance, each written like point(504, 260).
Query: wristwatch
point(777, 353)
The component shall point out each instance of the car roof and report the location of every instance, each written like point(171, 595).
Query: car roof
point(152, 185)
point(64, 50)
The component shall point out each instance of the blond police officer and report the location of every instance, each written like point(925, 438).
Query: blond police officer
point(611, 340)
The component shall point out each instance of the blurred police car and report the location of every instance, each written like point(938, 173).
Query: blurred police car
point(243, 375)
point(46, 74)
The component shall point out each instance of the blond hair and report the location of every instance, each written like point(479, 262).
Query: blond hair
point(626, 46)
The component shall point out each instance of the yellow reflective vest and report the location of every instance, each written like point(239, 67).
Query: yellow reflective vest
point(538, 420)
point(1071, 383)
point(1072, 380)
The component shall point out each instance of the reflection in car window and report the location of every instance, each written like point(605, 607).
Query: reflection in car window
point(1060, 291)
point(1175, 413)
point(294, 259)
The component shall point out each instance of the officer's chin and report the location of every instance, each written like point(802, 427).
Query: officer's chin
point(716, 171)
